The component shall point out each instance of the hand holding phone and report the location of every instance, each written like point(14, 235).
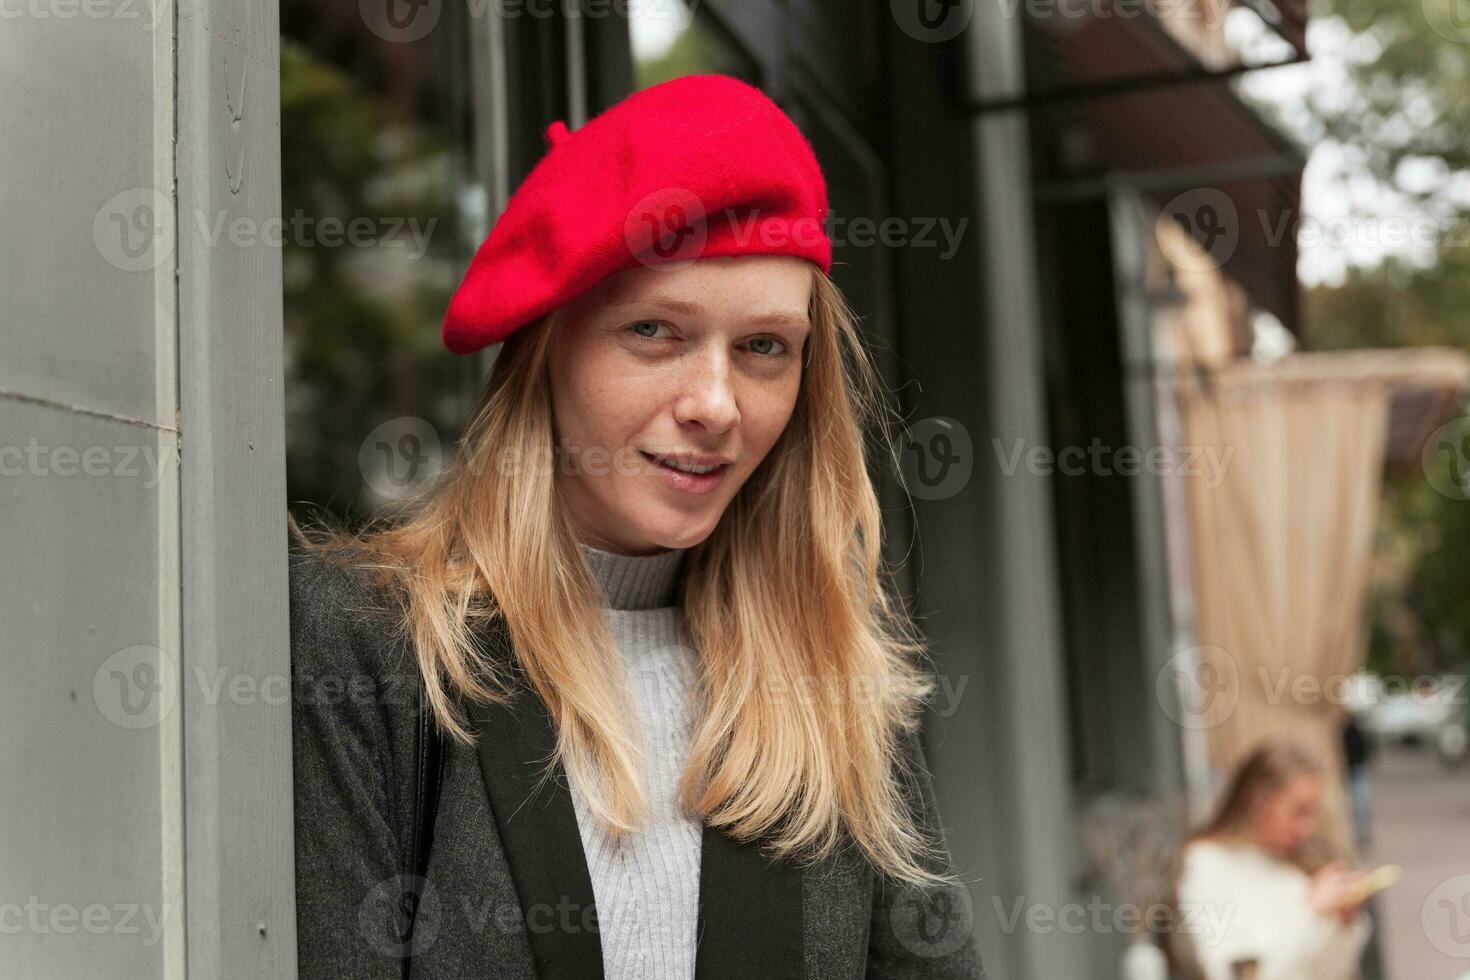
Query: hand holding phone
point(1374, 882)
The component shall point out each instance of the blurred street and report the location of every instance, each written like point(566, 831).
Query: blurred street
point(1421, 813)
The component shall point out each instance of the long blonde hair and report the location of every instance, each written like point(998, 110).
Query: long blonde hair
point(811, 673)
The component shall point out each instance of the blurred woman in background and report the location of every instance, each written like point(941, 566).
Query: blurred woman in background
point(1257, 892)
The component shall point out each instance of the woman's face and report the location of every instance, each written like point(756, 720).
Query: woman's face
point(699, 362)
point(1283, 820)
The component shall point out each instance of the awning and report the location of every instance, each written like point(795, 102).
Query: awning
point(1421, 385)
point(1117, 99)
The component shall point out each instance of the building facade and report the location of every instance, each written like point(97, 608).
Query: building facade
point(237, 228)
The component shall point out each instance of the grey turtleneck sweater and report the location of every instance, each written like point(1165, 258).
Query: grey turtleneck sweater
point(647, 887)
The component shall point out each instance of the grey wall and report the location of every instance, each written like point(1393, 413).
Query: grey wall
point(122, 573)
point(90, 812)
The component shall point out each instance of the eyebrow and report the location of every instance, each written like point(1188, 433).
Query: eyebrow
point(673, 305)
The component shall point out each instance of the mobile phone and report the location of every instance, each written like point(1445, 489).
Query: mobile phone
point(1374, 882)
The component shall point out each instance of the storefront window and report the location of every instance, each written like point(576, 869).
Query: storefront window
point(671, 40)
point(382, 210)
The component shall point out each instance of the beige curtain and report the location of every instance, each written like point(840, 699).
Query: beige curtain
point(1281, 552)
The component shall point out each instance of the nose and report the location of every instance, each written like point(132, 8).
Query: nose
point(708, 398)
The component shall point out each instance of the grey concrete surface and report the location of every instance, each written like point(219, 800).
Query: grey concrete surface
point(1421, 814)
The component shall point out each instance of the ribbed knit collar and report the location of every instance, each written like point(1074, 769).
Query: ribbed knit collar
point(636, 581)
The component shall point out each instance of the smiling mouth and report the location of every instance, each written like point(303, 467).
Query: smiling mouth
point(685, 477)
point(683, 467)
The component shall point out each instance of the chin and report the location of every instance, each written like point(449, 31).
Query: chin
point(674, 533)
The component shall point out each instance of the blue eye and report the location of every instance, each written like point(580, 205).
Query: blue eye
point(769, 340)
point(645, 323)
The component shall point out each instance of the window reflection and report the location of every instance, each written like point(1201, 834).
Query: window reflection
point(381, 211)
point(671, 40)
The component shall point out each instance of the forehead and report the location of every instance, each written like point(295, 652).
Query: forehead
point(759, 286)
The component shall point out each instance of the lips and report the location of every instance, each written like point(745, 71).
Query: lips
point(689, 462)
point(669, 468)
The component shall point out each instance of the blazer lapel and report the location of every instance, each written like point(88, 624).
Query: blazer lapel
point(538, 830)
point(750, 913)
point(750, 920)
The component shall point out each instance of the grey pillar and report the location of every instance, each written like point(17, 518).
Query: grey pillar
point(237, 774)
point(145, 820)
point(970, 337)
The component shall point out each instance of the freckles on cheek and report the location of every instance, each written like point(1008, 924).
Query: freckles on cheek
point(584, 393)
point(614, 410)
point(767, 416)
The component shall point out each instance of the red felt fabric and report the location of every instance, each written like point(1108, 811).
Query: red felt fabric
point(696, 167)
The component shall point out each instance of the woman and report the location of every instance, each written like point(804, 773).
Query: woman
point(645, 603)
point(1257, 894)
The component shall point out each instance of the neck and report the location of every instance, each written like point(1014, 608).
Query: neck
point(636, 581)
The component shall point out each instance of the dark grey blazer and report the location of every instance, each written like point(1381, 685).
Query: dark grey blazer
point(507, 894)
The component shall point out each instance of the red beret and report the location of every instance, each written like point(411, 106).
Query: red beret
point(700, 166)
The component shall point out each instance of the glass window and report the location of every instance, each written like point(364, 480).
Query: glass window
point(671, 40)
point(382, 211)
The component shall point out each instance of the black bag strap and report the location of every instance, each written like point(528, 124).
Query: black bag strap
point(428, 775)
